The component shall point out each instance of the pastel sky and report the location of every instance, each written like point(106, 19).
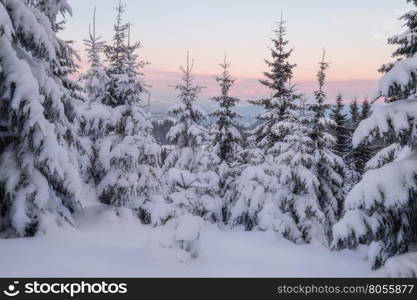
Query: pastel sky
point(353, 32)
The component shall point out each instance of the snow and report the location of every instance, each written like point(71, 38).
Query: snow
point(401, 74)
point(389, 186)
point(110, 244)
point(395, 117)
point(400, 266)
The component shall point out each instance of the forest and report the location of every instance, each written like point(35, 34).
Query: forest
point(311, 170)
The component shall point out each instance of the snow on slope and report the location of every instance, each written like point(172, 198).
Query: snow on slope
point(118, 246)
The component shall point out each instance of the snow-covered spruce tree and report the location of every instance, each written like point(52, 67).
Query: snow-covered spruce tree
point(393, 87)
point(39, 178)
point(278, 81)
point(340, 129)
point(95, 78)
point(126, 156)
point(328, 166)
point(352, 174)
point(256, 188)
point(227, 138)
point(364, 152)
point(191, 166)
point(93, 115)
point(406, 43)
point(381, 209)
point(299, 216)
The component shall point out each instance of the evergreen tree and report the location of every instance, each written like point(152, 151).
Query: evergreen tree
point(365, 110)
point(354, 114)
point(406, 43)
point(39, 176)
point(364, 152)
point(341, 131)
point(278, 81)
point(125, 155)
point(394, 86)
point(191, 166)
point(254, 190)
point(352, 173)
point(90, 126)
point(381, 209)
point(360, 155)
point(328, 166)
point(188, 131)
point(301, 217)
point(95, 78)
point(124, 84)
point(227, 139)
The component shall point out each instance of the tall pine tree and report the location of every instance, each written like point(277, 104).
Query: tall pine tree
point(381, 209)
point(39, 176)
point(191, 166)
point(278, 81)
point(341, 132)
point(328, 166)
point(126, 156)
point(393, 88)
point(227, 138)
point(352, 156)
point(254, 190)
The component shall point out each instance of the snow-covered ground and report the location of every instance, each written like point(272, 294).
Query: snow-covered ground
point(118, 246)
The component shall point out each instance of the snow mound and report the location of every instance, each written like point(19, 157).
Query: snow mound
point(182, 235)
point(400, 266)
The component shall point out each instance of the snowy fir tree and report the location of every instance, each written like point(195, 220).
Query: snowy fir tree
point(354, 113)
point(340, 129)
point(39, 182)
point(191, 166)
point(126, 157)
point(300, 216)
point(381, 209)
point(256, 188)
point(392, 87)
point(352, 173)
point(90, 126)
point(278, 81)
point(364, 152)
point(86, 155)
point(328, 166)
point(398, 83)
point(227, 138)
point(95, 78)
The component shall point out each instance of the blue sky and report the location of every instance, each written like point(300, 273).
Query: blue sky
point(353, 33)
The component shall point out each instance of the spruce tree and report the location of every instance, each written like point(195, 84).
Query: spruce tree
point(253, 191)
point(39, 175)
point(328, 166)
point(354, 113)
point(95, 78)
point(364, 152)
point(352, 157)
point(278, 81)
point(191, 166)
point(340, 128)
point(406, 43)
point(227, 137)
point(381, 209)
point(126, 157)
point(90, 125)
point(300, 217)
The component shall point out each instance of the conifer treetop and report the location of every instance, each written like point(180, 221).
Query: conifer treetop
point(278, 78)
